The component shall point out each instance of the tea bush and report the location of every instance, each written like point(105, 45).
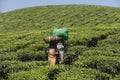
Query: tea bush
point(40, 73)
point(7, 67)
point(82, 74)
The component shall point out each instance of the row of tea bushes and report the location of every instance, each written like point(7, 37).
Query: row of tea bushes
point(7, 67)
point(16, 41)
point(24, 55)
point(106, 64)
point(40, 73)
point(77, 73)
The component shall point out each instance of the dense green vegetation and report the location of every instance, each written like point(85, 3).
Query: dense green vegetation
point(93, 46)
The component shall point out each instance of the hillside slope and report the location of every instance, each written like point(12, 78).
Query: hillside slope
point(52, 16)
point(93, 45)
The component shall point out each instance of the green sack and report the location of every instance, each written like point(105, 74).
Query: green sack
point(61, 32)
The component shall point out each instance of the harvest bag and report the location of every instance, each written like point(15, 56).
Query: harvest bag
point(49, 39)
point(61, 32)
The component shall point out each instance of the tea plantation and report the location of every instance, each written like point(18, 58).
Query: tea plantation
point(93, 51)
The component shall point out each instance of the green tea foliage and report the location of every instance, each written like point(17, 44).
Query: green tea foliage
point(83, 74)
point(52, 16)
point(40, 73)
point(7, 67)
point(93, 49)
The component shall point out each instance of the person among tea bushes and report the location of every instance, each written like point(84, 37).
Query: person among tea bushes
point(57, 45)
